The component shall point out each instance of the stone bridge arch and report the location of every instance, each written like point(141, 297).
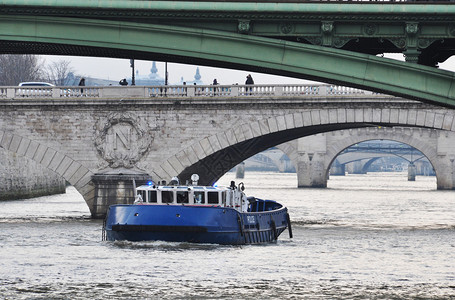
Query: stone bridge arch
point(401, 135)
point(213, 156)
point(71, 170)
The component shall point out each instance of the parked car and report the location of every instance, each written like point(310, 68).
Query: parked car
point(34, 89)
point(35, 84)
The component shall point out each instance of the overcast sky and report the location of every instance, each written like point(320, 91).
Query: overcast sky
point(116, 69)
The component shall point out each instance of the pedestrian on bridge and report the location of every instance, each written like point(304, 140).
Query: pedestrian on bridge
point(82, 83)
point(249, 81)
point(215, 83)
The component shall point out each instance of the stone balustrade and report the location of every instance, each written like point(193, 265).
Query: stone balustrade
point(184, 91)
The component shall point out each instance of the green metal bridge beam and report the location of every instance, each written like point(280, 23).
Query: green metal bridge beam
point(237, 51)
point(424, 33)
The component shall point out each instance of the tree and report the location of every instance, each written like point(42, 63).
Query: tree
point(60, 73)
point(19, 68)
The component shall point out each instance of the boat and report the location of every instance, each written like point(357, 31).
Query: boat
point(196, 214)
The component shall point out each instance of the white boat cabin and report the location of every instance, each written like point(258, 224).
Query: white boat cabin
point(192, 195)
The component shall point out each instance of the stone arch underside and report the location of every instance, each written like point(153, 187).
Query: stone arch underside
point(424, 147)
point(213, 156)
point(121, 39)
point(72, 171)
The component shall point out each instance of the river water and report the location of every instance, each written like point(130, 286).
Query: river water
point(374, 236)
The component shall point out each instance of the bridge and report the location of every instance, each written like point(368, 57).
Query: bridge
point(337, 42)
point(366, 153)
point(98, 144)
point(100, 138)
point(363, 155)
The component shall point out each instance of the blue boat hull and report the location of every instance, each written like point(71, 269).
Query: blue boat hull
point(195, 224)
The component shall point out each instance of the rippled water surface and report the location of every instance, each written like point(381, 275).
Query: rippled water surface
point(373, 236)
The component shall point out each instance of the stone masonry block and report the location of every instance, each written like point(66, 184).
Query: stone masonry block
point(64, 165)
point(324, 115)
point(197, 148)
point(341, 115)
point(281, 123)
point(191, 155)
point(247, 132)
point(429, 119)
point(448, 121)
point(420, 118)
point(412, 117)
point(205, 144)
point(438, 119)
point(307, 121)
point(298, 120)
point(15, 143)
point(56, 161)
point(214, 143)
point(6, 140)
point(39, 154)
point(80, 176)
point(167, 167)
point(238, 132)
point(273, 124)
point(394, 116)
point(183, 159)
point(315, 117)
point(255, 129)
point(222, 138)
point(230, 137)
point(403, 116)
point(31, 150)
point(23, 147)
point(333, 116)
point(377, 115)
point(72, 168)
point(289, 120)
point(385, 115)
point(175, 163)
point(50, 153)
point(350, 115)
point(264, 126)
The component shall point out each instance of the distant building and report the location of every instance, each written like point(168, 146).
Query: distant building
point(197, 79)
point(154, 79)
point(151, 79)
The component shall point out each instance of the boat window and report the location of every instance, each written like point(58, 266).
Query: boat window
point(152, 197)
point(142, 193)
point(212, 197)
point(167, 196)
point(199, 197)
point(182, 197)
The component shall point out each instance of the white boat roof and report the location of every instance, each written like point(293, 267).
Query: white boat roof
point(181, 187)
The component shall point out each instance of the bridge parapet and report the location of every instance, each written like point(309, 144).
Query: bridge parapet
point(181, 91)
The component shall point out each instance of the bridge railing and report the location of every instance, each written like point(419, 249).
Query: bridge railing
point(183, 91)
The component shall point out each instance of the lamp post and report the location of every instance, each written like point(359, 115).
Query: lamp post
point(133, 80)
point(165, 74)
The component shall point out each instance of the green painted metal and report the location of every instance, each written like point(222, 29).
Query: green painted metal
point(252, 6)
point(217, 48)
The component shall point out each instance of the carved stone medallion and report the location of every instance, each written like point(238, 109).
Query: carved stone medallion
point(122, 139)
